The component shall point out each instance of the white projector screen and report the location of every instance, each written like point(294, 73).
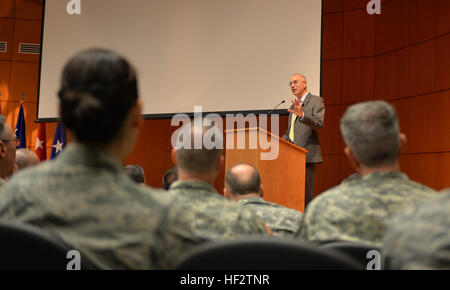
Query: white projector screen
point(224, 55)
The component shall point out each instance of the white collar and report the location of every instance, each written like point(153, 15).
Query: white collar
point(302, 99)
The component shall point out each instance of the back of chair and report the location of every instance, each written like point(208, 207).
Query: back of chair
point(356, 251)
point(264, 254)
point(24, 247)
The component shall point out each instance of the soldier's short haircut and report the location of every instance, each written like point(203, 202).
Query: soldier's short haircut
point(169, 177)
point(202, 160)
point(135, 172)
point(98, 89)
point(371, 131)
point(238, 185)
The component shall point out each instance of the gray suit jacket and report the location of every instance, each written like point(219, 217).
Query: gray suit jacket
point(306, 130)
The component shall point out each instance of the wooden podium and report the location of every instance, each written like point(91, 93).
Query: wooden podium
point(283, 178)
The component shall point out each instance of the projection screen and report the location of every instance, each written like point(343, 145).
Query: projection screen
point(224, 55)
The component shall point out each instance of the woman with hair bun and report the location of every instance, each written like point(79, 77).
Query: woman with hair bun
point(84, 197)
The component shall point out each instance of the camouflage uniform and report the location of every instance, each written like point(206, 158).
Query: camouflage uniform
point(419, 238)
point(359, 210)
point(217, 218)
point(2, 182)
point(84, 198)
point(281, 220)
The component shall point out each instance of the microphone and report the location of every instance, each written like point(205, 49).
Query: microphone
point(282, 102)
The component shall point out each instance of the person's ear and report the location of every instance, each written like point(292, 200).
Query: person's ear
point(261, 191)
point(352, 158)
point(2, 150)
point(136, 113)
point(226, 193)
point(15, 169)
point(173, 154)
point(403, 140)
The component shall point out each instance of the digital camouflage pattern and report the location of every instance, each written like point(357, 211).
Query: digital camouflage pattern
point(360, 210)
point(84, 198)
point(419, 237)
point(283, 221)
point(2, 182)
point(217, 218)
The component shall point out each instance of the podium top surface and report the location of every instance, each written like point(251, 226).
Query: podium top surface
point(268, 133)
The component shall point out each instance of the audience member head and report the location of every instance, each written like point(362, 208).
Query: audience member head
point(99, 101)
point(8, 143)
point(242, 180)
point(170, 177)
point(26, 158)
point(136, 173)
point(372, 135)
point(196, 153)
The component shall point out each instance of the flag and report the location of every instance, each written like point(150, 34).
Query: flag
point(59, 142)
point(41, 144)
point(20, 129)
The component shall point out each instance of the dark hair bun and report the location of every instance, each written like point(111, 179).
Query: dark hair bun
point(98, 88)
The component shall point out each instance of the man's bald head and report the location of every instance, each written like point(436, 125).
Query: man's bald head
point(301, 76)
point(26, 158)
point(242, 179)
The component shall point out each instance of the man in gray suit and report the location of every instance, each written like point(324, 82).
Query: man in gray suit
point(305, 119)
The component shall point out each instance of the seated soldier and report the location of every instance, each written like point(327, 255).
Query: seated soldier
point(136, 173)
point(84, 197)
point(169, 177)
point(217, 218)
point(419, 237)
point(243, 184)
point(8, 143)
point(360, 210)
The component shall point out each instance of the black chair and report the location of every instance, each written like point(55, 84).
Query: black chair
point(25, 247)
point(356, 251)
point(264, 254)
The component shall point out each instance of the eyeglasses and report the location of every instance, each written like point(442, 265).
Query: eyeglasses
point(16, 140)
point(296, 82)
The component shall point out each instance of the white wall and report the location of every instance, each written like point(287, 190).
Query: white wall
point(225, 55)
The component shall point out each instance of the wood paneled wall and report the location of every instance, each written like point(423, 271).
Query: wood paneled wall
point(401, 56)
point(20, 21)
point(153, 150)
